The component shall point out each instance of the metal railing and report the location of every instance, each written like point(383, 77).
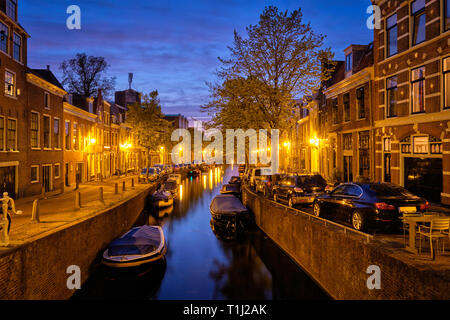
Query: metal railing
point(310, 216)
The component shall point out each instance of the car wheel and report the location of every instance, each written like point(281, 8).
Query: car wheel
point(290, 203)
point(358, 222)
point(316, 209)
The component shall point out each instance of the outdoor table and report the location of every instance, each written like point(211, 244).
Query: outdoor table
point(412, 221)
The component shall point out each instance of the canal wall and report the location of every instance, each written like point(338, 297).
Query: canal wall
point(38, 269)
point(338, 260)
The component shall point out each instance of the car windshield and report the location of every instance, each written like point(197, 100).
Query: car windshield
point(316, 180)
point(388, 190)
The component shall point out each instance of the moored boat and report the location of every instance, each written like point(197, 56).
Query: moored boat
point(162, 199)
point(228, 212)
point(138, 246)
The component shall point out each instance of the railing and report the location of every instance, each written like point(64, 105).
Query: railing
point(326, 222)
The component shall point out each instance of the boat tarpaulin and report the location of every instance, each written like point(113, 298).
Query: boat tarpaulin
point(227, 203)
point(138, 241)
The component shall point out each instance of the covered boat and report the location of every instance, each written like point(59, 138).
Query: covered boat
point(138, 246)
point(231, 189)
point(228, 213)
point(170, 186)
point(162, 199)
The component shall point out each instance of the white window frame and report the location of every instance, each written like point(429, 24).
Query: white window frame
point(59, 132)
point(15, 138)
point(14, 95)
point(59, 171)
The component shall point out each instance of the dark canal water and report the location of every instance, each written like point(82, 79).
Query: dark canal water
point(200, 266)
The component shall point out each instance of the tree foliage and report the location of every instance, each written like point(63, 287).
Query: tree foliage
point(281, 60)
point(84, 75)
point(148, 123)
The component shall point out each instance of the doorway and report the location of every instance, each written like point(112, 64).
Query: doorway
point(46, 177)
point(8, 180)
point(423, 177)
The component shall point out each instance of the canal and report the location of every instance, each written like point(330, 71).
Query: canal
point(198, 264)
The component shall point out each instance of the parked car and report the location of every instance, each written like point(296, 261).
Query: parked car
point(148, 174)
point(268, 183)
point(367, 205)
point(299, 189)
point(254, 175)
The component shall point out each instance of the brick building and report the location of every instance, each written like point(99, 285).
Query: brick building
point(412, 110)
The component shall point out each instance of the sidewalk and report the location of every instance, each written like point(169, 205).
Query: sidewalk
point(59, 210)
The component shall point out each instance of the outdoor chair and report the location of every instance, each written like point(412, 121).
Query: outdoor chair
point(406, 226)
point(438, 229)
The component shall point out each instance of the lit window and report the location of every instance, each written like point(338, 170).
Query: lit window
point(10, 83)
point(418, 20)
point(4, 33)
point(446, 69)
point(17, 47)
point(391, 94)
point(75, 137)
point(35, 174)
point(348, 141)
point(391, 35)
point(47, 132)
point(11, 137)
point(34, 130)
point(418, 90)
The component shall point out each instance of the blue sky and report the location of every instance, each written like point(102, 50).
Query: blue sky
point(172, 45)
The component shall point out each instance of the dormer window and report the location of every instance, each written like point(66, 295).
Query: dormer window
point(11, 6)
point(349, 62)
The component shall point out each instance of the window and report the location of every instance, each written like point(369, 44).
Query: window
point(446, 68)
point(360, 103)
point(420, 144)
point(391, 35)
point(346, 107)
point(56, 135)
point(418, 21)
point(10, 83)
point(418, 90)
point(46, 129)
point(75, 137)
point(11, 137)
point(34, 174)
point(387, 159)
point(34, 130)
point(348, 141)
point(17, 47)
point(391, 93)
point(11, 6)
point(2, 134)
point(67, 135)
point(4, 34)
point(364, 154)
point(349, 62)
point(57, 171)
point(335, 111)
point(447, 15)
point(46, 100)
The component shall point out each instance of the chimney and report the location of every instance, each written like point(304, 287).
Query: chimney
point(48, 67)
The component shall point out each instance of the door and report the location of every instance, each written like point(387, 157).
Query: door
point(8, 181)
point(348, 169)
point(79, 173)
point(423, 177)
point(46, 176)
point(66, 175)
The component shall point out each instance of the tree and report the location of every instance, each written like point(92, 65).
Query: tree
point(281, 60)
point(84, 75)
point(147, 122)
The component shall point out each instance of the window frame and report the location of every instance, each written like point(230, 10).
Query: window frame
point(8, 7)
point(444, 73)
point(67, 136)
point(412, 83)
point(38, 146)
point(388, 89)
point(358, 100)
point(3, 135)
point(47, 100)
point(6, 28)
point(7, 135)
point(346, 106)
point(16, 35)
point(57, 139)
point(37, 174)
point(388, 30)
point(14, 93)
point(413, 22)
point(349, 62)
point(49, 146)
point(445, 10)
point(59, 171)
point(335, 111)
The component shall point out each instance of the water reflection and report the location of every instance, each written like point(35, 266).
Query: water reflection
point(200, 265)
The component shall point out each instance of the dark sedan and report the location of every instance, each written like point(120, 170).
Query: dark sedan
point(299, 189)
point(368, 205)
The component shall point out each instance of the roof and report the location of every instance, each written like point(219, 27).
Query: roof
point(48, 76)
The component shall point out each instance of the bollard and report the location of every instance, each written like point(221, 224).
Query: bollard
point(78, 200)
point(35, 212)
point(132, 183)
point(123, 186)
point(116, 188)
point(101, 195)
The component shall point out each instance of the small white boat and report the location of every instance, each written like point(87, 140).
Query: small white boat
point(138, 246)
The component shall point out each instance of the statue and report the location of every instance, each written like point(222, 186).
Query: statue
point(7, 203)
